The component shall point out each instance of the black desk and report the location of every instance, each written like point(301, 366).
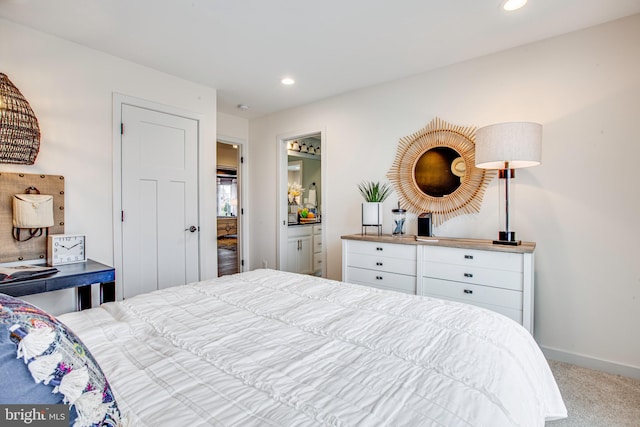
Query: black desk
point(80, 276)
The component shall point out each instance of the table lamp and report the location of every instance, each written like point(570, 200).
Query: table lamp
point(508, 146)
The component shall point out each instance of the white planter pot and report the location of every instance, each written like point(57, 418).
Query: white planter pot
point(372, 213)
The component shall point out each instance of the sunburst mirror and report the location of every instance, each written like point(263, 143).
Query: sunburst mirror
point(434, 171)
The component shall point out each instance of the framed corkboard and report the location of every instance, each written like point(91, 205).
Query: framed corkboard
point(17, 183)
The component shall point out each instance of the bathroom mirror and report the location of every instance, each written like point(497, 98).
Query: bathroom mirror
point(434, 171)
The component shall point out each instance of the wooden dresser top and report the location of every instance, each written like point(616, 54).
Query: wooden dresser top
point(487, 245)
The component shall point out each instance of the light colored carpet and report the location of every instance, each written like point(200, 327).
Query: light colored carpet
point(596, 399)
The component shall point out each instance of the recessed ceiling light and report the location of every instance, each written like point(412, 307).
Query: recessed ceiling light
point(287, 81)
point(510, 5)
point(243, 107)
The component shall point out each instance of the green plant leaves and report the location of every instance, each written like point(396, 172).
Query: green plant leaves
point(374, 191)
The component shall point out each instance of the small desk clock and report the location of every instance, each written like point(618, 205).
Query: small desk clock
point(66, 249)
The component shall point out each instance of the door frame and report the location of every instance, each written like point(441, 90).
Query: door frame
point(283, 207)
point(243, 176)
point(205, 261)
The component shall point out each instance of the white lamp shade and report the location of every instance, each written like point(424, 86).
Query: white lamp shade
point(517, 143)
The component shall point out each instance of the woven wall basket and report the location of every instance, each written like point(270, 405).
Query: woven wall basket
point(19, 130)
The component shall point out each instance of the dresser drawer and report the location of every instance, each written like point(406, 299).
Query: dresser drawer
point(227, 226)
point(472, 257)
point(470, 274)
point(390, 250)
point(382, 280)
point(382, 263)
point(472, 293)
point(512, 313)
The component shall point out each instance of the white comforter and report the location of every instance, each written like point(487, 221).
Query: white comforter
point(271, 348)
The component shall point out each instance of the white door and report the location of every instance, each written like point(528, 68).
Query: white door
point(159, 200)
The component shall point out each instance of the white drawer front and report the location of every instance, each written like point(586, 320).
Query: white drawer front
point(318, 260)
point(317, 243)
point(471, 274)
point(391, 250)
point(473, 257)
point(382, 263)
point(505, 311)
point(473, 294)
point(382, 280)
point(299, 231)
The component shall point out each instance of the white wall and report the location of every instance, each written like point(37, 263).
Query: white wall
point(232, 127)
point(581, 205)
point(70, 89)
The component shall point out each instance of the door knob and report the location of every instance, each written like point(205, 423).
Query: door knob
point(192, 229)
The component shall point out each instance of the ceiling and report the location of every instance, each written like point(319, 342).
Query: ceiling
point(244, 47)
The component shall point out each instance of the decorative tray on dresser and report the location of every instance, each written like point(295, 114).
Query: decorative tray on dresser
point(474, 271)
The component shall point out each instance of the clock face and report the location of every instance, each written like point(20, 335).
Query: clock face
point(66, 249)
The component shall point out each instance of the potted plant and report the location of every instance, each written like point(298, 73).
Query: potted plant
point(374, 194)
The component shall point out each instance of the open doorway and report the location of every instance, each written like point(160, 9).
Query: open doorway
point(228, 208)
point(300, 242)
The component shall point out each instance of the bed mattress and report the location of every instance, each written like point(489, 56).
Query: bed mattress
point(269, 348)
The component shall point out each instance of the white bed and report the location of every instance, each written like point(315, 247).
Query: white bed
point(272, 348)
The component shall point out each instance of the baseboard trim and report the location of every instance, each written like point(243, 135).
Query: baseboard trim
point(591, 362)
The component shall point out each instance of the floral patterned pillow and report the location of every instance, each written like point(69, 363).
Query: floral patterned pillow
point(47, 363)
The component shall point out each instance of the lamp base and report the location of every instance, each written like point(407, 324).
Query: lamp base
point(507, 238)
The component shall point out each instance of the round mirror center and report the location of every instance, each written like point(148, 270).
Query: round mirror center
point(439, 171)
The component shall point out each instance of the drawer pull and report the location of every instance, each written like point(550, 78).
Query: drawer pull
point(468, 275)
point(468, 291)
point(379, 264)
point(378, 277)
point(468, 257)
point(379, 249)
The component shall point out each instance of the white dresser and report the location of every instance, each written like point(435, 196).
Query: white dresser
point(473, 271)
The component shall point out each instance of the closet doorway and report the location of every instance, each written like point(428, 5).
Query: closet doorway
point(228, 180)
